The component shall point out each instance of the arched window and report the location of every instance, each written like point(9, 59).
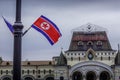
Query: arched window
point(75, 54)
point(104, 76)
point(68, 54)
point(28, 63)
point(1, 72)
point(38, 71)
point(49, 78)
point(97, 53)
point(90, 75)
point(99, 43)
point(113, 53)
point(80, 43)
point(50, 63)
point(6, 78)
point(44, 71)
point(77, 76)
point(22, 71)
point(33, 71)
point(28, 71)
point(109, 58)
point(61, 78)
point(101, 53)
point(79, 58)
point(39, 76)
point(28, 78)
point(50, 71)
point(105, 53)
point(89, 44)
point(82, 53)
point(6, 71)
point(7, 63)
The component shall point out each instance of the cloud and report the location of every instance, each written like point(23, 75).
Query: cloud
point(67, 14)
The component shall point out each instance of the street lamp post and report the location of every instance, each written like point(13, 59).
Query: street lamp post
point(17, 42)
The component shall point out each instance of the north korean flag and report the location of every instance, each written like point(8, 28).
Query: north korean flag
point(47, 28)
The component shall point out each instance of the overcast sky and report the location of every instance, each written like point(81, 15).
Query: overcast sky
point(66, 14)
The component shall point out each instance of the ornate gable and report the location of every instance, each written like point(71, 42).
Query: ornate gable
point(89, 36)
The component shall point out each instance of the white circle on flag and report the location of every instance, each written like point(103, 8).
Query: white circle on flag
point(45, 25)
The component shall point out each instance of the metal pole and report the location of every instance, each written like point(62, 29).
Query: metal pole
point(17, 42)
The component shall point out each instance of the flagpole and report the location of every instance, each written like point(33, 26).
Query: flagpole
point(17, 42)
point(26, 31)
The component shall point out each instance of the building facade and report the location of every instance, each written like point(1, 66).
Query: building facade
point(89, 57)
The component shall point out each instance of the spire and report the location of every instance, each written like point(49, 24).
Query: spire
point(62, 59)
point(118, 48)
point(117, 58)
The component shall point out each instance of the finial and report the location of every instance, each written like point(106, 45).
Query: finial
point(62, 52)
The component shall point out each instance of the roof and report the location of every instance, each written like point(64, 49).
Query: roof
point(62, 61)
point(90, 36)
point(89, 28)
point(29, 63)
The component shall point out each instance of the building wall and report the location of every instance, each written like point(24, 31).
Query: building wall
point(117, 72)
point(5, 70)
point(74, 57)
point(37, 72)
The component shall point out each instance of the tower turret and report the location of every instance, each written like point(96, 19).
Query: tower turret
point(117, 58)
point(62, 60)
